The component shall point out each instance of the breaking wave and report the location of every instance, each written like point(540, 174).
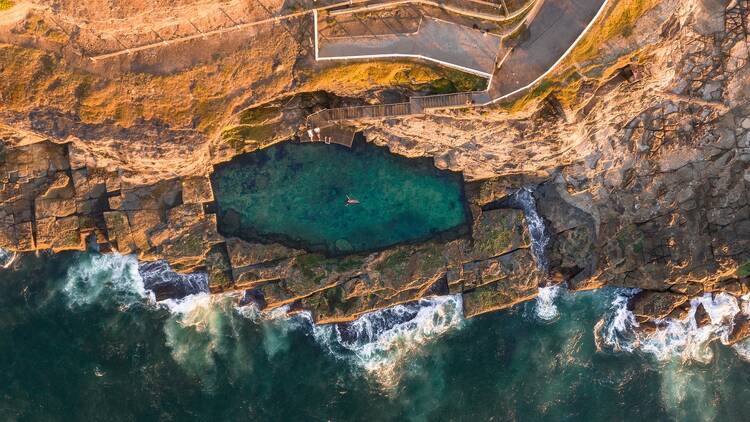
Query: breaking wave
point(685, 338)
point(7, 258)
point(200, 330)
point(159, 278)
point(200, 326)
point(109, 278)
point(545, 308)
point(379, 342)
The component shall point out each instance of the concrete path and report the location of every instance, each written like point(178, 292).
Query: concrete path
point(554, 29)
point(443, 42)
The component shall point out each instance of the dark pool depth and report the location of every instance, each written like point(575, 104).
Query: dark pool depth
point(297, 193)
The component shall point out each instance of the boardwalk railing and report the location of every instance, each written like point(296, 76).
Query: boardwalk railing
point(359, 113)
point(416, 105)
point(458, 99)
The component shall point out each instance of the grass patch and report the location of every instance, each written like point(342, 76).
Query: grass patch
point(190, 245)
point(312, 267)
point(618, 21)
point(396, 262)
point(365, 76)
point(744, 270)
point(255, 136)
point(259, 115)
point(6, 4)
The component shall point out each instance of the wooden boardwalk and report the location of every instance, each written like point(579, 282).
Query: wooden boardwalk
point(332, 134)
point(416, 105)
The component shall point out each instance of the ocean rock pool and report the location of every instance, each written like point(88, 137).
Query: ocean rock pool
point(296, 194)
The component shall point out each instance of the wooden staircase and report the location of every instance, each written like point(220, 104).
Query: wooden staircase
point(416, 105)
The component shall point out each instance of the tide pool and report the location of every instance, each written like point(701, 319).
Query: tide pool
point(297, 194)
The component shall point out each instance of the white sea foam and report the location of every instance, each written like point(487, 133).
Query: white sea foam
point(7, 258)
point(379, 342)
point(742, 348)
point(524, 198)
point(109, 277)
point(621, 324)
point(201, 325)
point(187, 305)
point(198, 329)
point(673, 338)
point(546, 309)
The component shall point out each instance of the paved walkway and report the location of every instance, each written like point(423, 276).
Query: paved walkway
point(554, 29)
point(443, 42)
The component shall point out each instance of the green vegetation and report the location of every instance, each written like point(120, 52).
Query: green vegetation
point(563, 86)
point(36, 25)
point(619, 21)
point(456, 81)
point(630, 236)
point(496, 241)
point(350, 263)
point(259, 115)
point(218, 279)
point(310, 266)
point(256, 136)
point(82, 89)
point(638, 246)
point(258, 127)
point(6, 4)
point(365, 76)
point(207, 110)
point(72, 238)
point(190, 245)
point(396, 262)
point(744, 270)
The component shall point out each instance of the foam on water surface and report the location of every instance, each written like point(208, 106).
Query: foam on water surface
point(379, 342)
point(104, 278)
point(672, 338)
point(545, 308)
point(7, 258)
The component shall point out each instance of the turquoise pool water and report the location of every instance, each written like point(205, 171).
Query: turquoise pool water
point(297, 194)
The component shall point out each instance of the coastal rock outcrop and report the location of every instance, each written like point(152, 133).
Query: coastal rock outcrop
point(638, 158)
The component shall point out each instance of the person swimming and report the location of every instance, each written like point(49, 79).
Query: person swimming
point(351, 201)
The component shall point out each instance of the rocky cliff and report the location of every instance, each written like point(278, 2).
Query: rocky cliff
point(636, 151)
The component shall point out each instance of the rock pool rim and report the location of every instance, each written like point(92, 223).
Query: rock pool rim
point(463, 230)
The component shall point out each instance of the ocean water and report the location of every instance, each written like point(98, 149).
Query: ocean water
point(81, 338)
point(296, 193)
